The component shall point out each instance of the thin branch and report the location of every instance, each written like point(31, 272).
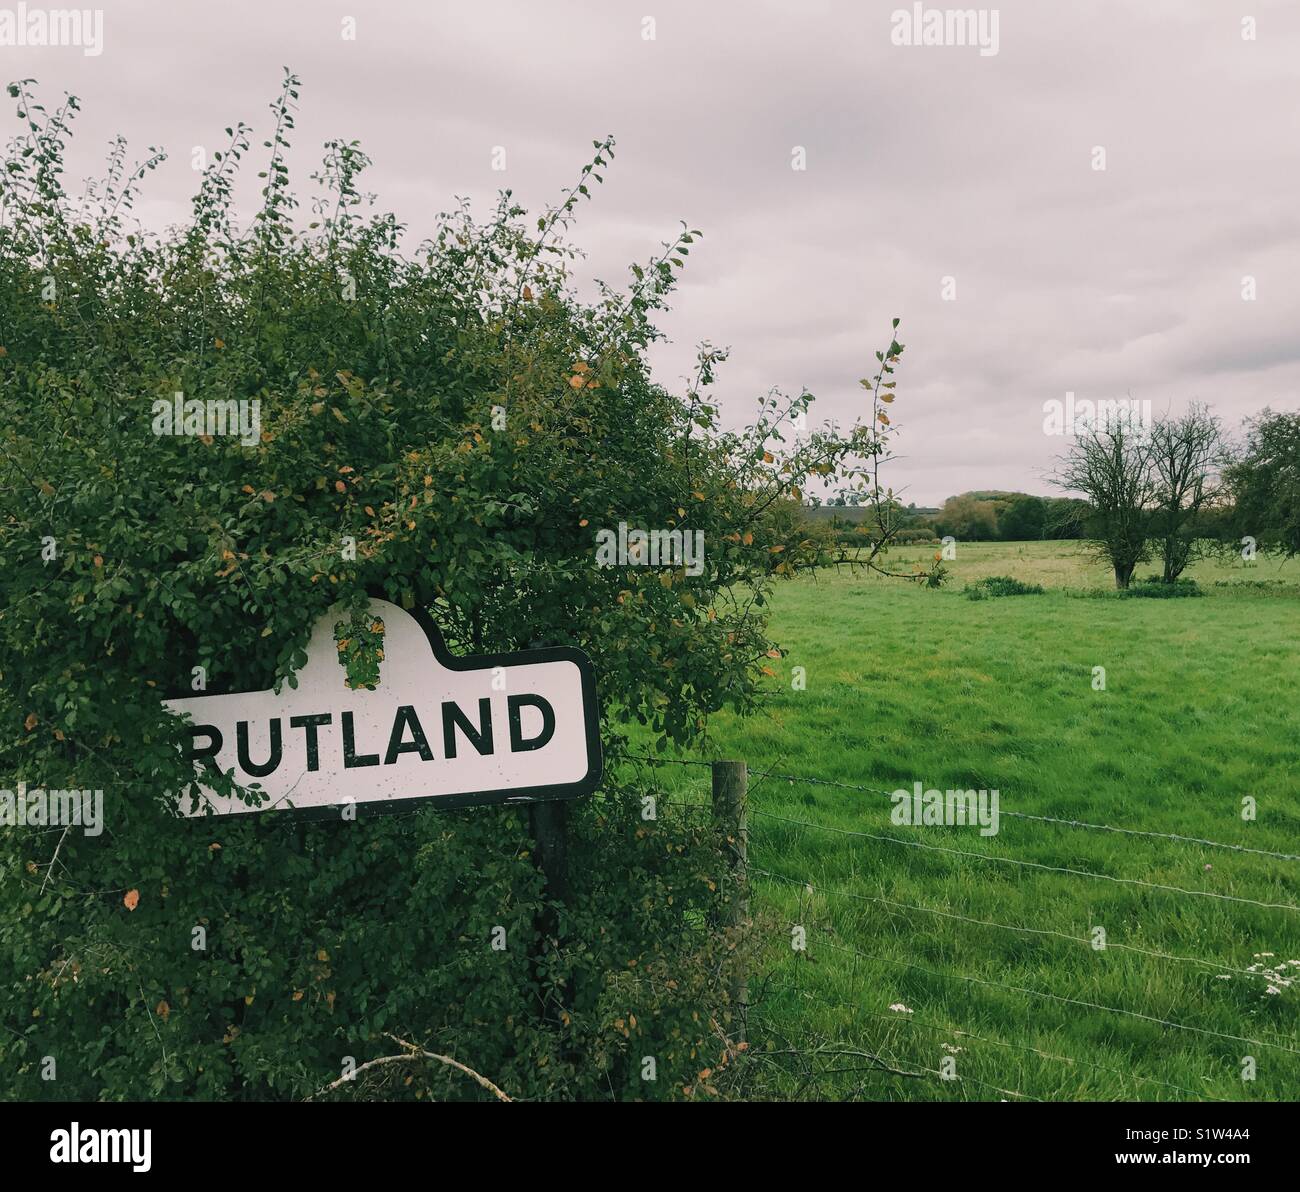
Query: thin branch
point(412, 1053)
point(50, 868)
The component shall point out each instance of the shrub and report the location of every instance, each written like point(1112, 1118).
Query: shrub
point(1153, 587)
point(449, 426)
point(375, 928)
point(1000, 585)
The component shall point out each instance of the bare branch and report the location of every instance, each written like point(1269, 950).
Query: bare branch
point(412, 1053)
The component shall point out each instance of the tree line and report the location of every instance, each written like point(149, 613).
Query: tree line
point(1174, 490)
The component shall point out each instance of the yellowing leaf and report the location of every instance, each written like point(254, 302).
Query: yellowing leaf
point(132, 899)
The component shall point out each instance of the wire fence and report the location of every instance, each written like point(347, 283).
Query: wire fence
point(831, 1052)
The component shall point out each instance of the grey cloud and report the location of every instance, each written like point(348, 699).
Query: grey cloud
point(922, 162)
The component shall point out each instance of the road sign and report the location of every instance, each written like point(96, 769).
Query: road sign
point(491, 728)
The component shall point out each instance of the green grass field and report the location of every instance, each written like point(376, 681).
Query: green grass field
point(1200, 708)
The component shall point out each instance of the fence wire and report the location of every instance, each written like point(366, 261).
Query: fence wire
point(905, 909)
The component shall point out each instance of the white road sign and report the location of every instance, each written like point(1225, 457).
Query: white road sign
point(485, 729)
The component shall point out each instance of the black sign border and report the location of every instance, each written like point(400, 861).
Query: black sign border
point(521, 796)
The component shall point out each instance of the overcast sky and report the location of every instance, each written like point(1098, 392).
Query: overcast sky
point(922, 162)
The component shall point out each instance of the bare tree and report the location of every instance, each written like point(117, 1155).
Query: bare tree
point(1110, 463)
point(1186, 454)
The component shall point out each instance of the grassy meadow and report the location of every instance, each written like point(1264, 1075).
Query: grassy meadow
point(994, 960)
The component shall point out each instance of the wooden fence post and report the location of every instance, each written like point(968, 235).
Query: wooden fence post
point(730, 783)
